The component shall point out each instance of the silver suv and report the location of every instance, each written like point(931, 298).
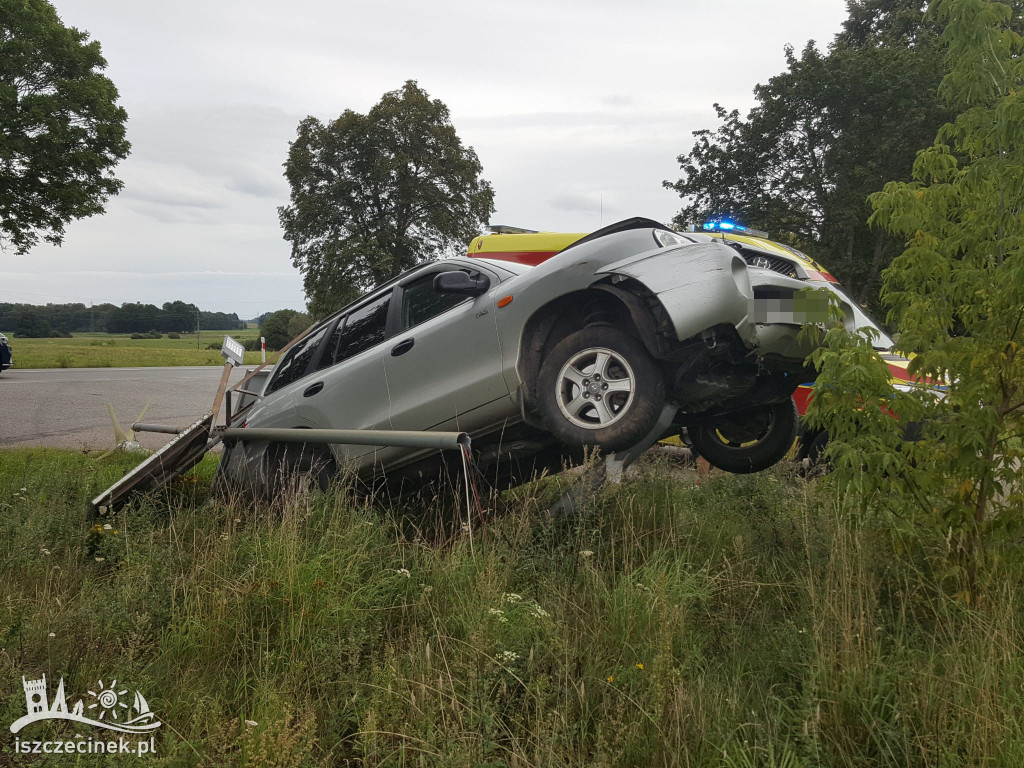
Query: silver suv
point(588, 348)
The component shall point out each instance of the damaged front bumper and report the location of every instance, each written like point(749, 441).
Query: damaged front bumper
point(705, 285)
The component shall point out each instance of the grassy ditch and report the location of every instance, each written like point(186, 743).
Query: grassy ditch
point(747, 621)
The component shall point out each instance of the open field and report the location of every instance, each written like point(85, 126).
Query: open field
point(750, 621)
point(108, 350)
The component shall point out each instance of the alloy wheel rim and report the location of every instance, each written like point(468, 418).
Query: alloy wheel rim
point(595, 388)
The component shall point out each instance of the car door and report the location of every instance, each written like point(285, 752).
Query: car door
point(276, 407)
point(347, 388)
point(444, 360)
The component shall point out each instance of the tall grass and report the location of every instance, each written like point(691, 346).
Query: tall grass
point(748, 621)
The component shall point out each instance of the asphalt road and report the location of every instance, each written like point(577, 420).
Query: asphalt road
point(67, 407)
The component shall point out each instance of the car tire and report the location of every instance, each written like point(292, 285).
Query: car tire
point(298, 466)
point(600, 387)
point(750, 440)
point(816, 449)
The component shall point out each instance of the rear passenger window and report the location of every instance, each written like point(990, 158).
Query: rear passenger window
point(295, 363)
point(364, 328)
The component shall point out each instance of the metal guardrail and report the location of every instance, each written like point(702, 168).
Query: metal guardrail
point(189, 445)
point(388, 437)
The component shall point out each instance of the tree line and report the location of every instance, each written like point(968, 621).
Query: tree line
point(55, 320)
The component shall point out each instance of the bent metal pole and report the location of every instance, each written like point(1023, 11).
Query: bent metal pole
point(388, 437)
point(138, 426)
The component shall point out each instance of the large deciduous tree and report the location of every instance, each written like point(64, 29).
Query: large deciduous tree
point(373, 194)
point(826, 133)
point(61, 129)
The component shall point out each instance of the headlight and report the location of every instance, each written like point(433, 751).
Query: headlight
point(667, 239)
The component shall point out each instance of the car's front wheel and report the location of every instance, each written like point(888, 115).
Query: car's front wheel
point(600, 387)
point(749, 440)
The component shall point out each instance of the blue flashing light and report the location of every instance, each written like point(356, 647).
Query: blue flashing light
point(724, 226)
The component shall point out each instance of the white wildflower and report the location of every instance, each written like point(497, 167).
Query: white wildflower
point(52, 634)
point(403, 572)
point(108, 527)
point(507, 657)
point(100, 559)
point(587, 553)
point(45, 551)
point(512, 597)
point(251, 723)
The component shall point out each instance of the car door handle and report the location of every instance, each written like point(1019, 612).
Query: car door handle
point(312, 389)
point(402, 347)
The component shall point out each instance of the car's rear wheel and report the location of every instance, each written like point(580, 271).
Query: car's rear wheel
point(749, 440)
point(298, 466)
point(600, 387)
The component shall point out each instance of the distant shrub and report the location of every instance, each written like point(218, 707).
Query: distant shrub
point(251, 345)
point(214, 345)
point(173, 336)
point(155, 335)
point(140, 336)
point(283, 326)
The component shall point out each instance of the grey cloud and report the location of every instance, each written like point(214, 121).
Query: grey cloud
point(619, 100)
point(170, 195)
point(171, 213)
point(562, 119)
point(257, 185)
point(575, 201)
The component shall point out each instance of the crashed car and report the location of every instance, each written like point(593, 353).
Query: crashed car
point(589, 348)
point(526, 246)
point(6, 356)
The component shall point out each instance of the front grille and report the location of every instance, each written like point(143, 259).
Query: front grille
point(774, 263)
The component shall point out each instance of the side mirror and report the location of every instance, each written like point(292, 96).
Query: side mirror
point(458, 281)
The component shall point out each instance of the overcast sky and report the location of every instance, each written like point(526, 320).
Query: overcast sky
point(571, 105)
